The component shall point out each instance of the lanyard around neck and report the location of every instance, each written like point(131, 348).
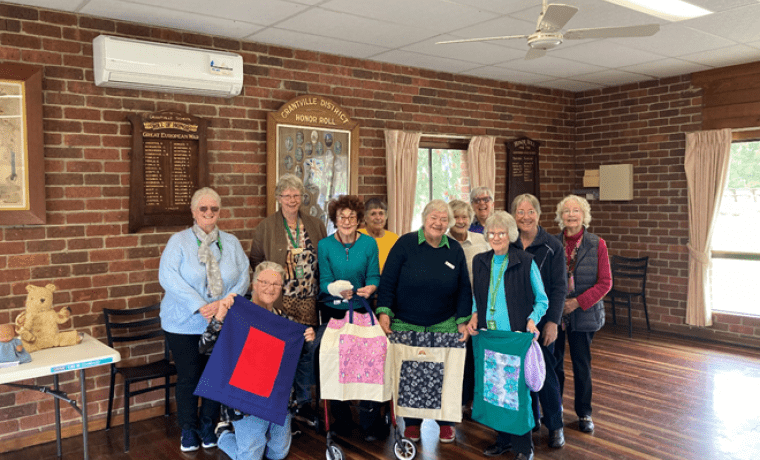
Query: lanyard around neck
point(337, 235)
point(493, 288)
point(293, 241)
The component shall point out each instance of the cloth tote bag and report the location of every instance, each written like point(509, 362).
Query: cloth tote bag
point(428, 368)
point(508, 366)
point(254, 362)
point(353, 360)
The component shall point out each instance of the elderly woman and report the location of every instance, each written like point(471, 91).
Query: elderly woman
point(425, 286)
point(549, 255)
point(588, 281)
point(509, 296)
point(375, 217)
point(482, 202)
point(347, 256)
point(199, 267)
point(252, 436)
point(472, 243)
point(290, 238)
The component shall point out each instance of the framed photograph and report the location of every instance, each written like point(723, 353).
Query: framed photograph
point(313, 138)
point(22, 161)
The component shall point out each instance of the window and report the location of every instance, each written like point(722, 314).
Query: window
point(441, 174)
point(736, 255)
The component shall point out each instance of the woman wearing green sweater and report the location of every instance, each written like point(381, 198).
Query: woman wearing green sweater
point(348, 267)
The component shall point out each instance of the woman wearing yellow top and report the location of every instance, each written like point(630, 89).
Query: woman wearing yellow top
point(375, 217)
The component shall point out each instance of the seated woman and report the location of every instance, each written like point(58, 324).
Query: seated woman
point(252, 437)
point(509, 296)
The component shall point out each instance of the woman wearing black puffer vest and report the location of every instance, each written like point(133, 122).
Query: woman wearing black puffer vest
point(589, 280)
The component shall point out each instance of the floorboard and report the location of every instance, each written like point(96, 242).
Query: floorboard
point(655, 398)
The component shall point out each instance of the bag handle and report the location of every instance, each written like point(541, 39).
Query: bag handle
point(364, 303)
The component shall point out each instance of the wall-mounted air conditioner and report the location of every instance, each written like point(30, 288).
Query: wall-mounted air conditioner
point(135, 64)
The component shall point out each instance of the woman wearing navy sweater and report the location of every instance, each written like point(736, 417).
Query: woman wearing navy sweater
point(349, 256)
point(425, 287)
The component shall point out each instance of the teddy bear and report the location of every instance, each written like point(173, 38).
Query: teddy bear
point(11, 349)
point(38, 325)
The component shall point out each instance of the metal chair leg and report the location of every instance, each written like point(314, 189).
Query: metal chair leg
point(126, 417)
point(110, 400)
point(646, 313)
point(630, 323)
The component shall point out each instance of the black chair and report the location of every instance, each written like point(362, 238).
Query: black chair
point(629, 280)
point(139, 329)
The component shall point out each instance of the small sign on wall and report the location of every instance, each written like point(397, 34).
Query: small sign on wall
point(616, 182)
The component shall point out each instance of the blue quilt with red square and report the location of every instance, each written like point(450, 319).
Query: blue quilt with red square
point(254, 362)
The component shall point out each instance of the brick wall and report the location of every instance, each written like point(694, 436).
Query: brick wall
point(85, 249)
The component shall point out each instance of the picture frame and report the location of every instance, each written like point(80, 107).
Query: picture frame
point(315, 139)
point(22, 159)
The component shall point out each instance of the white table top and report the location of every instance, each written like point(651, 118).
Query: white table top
point(90, 353)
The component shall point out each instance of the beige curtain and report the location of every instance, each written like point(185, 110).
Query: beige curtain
point(706, 164)
point(481, 160)
point(401, 162)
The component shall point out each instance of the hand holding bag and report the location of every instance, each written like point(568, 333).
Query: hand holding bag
point(353, 360)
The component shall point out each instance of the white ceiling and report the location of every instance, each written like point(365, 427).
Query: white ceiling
point(405, 31)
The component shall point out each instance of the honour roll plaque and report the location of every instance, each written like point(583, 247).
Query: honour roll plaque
point(169, 163)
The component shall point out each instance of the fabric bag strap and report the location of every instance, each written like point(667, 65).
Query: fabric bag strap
point(364, 304)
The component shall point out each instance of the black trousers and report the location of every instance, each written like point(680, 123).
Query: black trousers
point(190, 364)
point(521, 444)
point(580, 355)
point(550, 394)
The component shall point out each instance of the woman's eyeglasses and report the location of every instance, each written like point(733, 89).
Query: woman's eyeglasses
point(291, 197)
point(213, 209)
point(483, 199)
point(267, 284)
point(348, 219)
point(492, 235)
point(530, 213)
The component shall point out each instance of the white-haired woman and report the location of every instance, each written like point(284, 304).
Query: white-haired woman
point(549, 255)
point(290, 238)
point(199, 267)
point(509, 296)
point(472, 244)
point(589, 279)
point(250, 437)
point(481, 199)
point(425, 286)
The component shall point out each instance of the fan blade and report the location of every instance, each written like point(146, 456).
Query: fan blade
point(534, 53)
point(481, 39)
point(555, 17)
point(611, 32)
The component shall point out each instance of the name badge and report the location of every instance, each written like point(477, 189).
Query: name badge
point(450, 265)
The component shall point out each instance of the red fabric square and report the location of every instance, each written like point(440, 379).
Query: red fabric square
point(259, 363)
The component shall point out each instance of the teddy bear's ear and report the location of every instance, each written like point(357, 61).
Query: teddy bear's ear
point(50, 287)
point(29, 287)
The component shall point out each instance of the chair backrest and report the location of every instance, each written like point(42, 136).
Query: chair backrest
point(629, 268)
point(134, 325)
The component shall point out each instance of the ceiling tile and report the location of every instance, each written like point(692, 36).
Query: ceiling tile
point(604, 53)
point(261, 13)
point(422, 61)
point(315, 43)
point(483, 53)
point(675, 40)
point(667, 67)
point(553, 66)
point(510, 75)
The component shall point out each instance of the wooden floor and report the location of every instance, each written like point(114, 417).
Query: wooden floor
point(655, 398)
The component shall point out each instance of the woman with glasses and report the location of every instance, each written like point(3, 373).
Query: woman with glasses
point(425, 287)
point(481, 199)
point(589, 279)
point(250, 437)
point(199, 267)
point(549, 256)
point(508, 296)
point(348, 266)
point(290, 238)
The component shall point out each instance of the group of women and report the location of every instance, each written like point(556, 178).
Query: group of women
point(440, 278)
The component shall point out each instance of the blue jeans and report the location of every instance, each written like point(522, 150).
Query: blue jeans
point(255, 437)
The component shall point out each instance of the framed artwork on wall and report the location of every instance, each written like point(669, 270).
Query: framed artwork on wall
point(22, 161)
point(315, 139)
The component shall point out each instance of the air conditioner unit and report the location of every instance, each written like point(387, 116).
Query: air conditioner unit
point(134, 64)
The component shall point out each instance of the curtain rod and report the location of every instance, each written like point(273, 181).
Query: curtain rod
point(448, 136)
point(739, 130)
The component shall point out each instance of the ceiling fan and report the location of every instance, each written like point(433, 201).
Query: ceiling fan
point(547, 35)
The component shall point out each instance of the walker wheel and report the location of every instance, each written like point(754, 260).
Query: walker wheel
point(405, 450)
point(334, 452)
